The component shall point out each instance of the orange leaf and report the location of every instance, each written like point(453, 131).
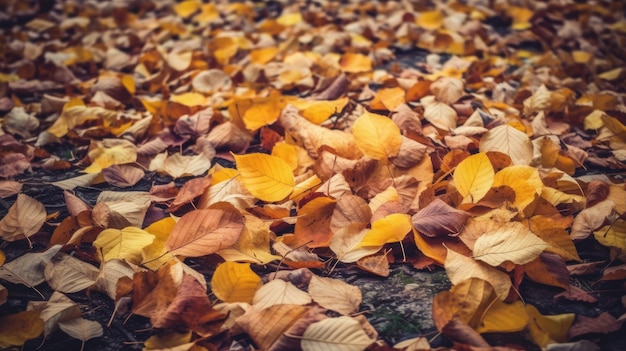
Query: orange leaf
point(313, 224)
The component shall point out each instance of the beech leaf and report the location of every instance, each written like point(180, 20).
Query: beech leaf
point(377, 136)
point(235, 282)
point(340, 334)
point(205, 231)
point(474, 177)
point(268, 178)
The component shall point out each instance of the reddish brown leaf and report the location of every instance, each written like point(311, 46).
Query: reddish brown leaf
point(439, 219)
point(602, 324)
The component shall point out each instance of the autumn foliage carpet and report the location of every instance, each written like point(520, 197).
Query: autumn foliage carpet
point(189, 175)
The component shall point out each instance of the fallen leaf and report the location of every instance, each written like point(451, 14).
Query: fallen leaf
point(335, 294)
point(82, 329)
point(20, 327)
point(266, 326)
point(126, 244)
point(461, 268)
point(57, 309)
point(205, 231)
point(341, 334)
point(235, 282)
point(473, 177)
point(109, 152)
point(267, 177)
point(548, 329)
point(28, 269)
point(509, 141)
point(512, 242)
point(377, 136)
point(279, 292)
point(438, 219)
point(68, 274)
point(390, 229)
point(313, 225)
point(25, 218)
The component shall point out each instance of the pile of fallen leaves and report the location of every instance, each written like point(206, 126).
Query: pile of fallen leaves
point(470, 153)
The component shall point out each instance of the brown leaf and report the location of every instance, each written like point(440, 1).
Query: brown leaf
point(574, 293)
point(548, 269)
point(206, 231)
point(9, 188)
point(439, 219)
point(154, 291)
point(123, 176)
point(460, 332)
point(602, 324)
point(268, 325)
point(190, 307)
point(24, 219)
point(597, 191)
point(189, 191)
point(377, 264)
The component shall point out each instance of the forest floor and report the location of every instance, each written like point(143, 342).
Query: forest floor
point(417, 175)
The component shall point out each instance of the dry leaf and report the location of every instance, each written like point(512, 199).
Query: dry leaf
point(335, 295)
point(438, 219)
point(512, 242)
point(267, 177)
point(235, 282)
point(341, 334)
point(25, 218)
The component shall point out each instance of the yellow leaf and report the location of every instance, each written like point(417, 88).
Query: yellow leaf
point(612, 74)
point(267, 177)
point(253, 244)
point(430, 19)
point(521, 17)
point(524, 180)
point(263, 55)
point(187, 8)
point(388, 99)
point(504, 318)
point(75, 115)
point(235, 282)
point(155, 254)
point(190, 99)
point(166, 340)
point(289, 19)
point(318, 111)
point(551, 329)
point(223, 174)
point(19, 327)
point(474, 177)
point(207, 13)
point(593, 121)
point(264, 111)
point(377, 136)
point(612, 235)
point(109, 152)
point(355, 63)
point(510, 141)
point(390, 229)
point(512, 242)
point(125, 244)
point(287, 152)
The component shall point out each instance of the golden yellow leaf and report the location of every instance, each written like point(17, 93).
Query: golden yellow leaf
point(110, 152)
point(512, 242)
point(190, 99)
point(430, 19)
point(156, 254)
point(503, 317)
point(521, 17)
point(75, 115)
point(466, 301)
point(377, 136)
point(235, 282)
point(524, 180)
point(388, 99)
point(389, 229)
point(289, 19)
point(318, 111)
point(170, 339)
point(263, 55)
point(550, 329)
point(473, 177)
point(126, 244)
point(612, 235)
point(355, 63)
point(187, 8)
point(223, 174)
point(253, 244)
point(264, 111)
point(267, 177)
point(287, 152)
point(19, 327)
